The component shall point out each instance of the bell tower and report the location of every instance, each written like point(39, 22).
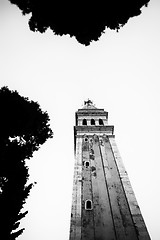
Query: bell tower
point(104, 206)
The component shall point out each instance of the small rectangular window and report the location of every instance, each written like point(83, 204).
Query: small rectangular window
point(87, 164)
point(88, 205)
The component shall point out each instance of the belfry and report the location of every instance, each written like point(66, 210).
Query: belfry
point(104, 206)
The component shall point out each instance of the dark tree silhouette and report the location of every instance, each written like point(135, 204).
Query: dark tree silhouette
point(23, 128)
point(85, 19)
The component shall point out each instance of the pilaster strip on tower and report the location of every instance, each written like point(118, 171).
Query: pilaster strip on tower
point(103, 209)
point(75, 227)
point(121, 214)
point(87, 215)
point(138, 220)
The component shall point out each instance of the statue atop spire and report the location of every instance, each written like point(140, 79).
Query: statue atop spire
point(89, 104)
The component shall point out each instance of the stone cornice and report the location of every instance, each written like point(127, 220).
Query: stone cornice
point(92, 113)
point(105, 129)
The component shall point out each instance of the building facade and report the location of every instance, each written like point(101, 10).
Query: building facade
point(104, 206)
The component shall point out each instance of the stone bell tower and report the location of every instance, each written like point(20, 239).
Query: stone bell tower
point(104, 206)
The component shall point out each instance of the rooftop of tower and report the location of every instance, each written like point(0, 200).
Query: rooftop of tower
point(89, 109)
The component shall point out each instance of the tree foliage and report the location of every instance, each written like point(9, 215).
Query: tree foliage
point(86, 20)
point(23, 128)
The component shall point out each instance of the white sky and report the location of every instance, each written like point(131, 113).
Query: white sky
point(120, 73)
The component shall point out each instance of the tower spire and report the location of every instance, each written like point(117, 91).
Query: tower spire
point(103, 202)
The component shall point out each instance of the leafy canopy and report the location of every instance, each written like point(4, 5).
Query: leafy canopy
point(86, 20)
point(23, 127)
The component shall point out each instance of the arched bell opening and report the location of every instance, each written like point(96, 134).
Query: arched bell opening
point(101, 122)
point(84, 122)
point(92, 121)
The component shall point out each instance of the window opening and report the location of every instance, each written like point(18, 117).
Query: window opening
point(92, 121)
point(87, 164)
point(100, 121)
point(88, 205)
point(84, 122)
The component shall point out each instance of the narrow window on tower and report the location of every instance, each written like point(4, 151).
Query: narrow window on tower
point(88, 205)
point(87, 164)
point(100, 121)
point(84, 122)
point(92, 121)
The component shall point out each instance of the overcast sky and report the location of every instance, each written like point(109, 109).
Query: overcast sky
point(120, 73)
